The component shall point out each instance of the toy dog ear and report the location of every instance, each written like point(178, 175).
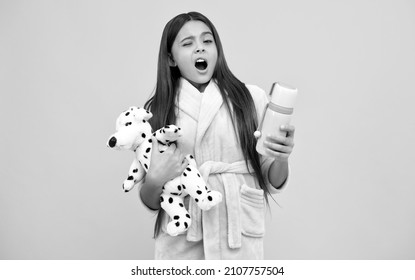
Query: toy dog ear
point(148, 116)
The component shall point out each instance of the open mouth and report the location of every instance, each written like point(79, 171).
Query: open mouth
point(201, 64)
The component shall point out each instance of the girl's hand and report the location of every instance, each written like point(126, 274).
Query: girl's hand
point(280, 147)
point(166, 165)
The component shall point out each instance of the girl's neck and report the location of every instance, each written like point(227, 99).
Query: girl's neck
point(200, 87)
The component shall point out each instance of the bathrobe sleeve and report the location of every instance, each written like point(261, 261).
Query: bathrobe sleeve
point(261, 100)
point(150, 210)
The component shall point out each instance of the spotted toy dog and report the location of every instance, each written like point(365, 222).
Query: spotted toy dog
point(133, 132)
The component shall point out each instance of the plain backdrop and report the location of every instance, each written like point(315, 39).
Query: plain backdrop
point(68, 68)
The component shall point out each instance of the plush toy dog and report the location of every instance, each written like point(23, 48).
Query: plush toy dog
point(133, 132)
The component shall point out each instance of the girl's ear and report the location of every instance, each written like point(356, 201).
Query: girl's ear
point(172, 63)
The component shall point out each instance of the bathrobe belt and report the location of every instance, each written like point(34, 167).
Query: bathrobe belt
point(228, 172)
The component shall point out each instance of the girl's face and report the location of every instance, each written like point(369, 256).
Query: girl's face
point(194, 52)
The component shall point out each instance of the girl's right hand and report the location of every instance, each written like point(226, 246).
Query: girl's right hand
point(165, 166)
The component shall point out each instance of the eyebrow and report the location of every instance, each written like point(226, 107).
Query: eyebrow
point(192, 37)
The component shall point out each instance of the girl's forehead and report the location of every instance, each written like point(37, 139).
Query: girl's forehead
point(193, 28)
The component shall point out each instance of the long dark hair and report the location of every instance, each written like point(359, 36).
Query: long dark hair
point(234, 93)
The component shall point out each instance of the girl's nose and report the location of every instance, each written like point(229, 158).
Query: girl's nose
point(200, 50)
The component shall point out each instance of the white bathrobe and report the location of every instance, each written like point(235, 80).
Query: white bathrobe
point(234, 229)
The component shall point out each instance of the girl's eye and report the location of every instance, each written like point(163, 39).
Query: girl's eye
point(187, 44)
point(208, 41)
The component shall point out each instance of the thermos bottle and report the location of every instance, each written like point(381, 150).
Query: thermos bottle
point(278, 112)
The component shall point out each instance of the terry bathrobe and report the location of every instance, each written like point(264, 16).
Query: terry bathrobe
point(234, 229)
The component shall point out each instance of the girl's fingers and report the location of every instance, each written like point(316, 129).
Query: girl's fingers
point(290, 129)
point(286, 141)
point(278, 147)
point(172, 147)
point(185, 163)
point(277, 155)
point(154, 142)
point(179, 158)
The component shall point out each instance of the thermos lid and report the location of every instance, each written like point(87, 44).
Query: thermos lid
point(283, 95)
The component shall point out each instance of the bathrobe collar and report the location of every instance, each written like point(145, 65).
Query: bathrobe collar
point(201, 106)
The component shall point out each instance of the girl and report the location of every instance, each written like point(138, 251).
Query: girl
point(218, 114)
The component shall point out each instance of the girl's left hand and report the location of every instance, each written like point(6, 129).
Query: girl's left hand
point(280, 147)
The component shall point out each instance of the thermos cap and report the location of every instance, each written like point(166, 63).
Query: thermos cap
point(283, 95)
